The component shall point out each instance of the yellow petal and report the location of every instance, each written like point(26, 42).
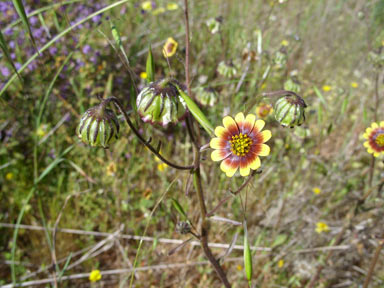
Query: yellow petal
point(366, 136)
point(264, 150)
point(218, 155)
point(255, 164)
point(216, 143)
point(382, 124)
point(366, 144)
point(244, 171)
point(239, 117)
point(220, 131)
point(259, 125)
point(228, 121)
point(250, 119)
point(370, 150)
point(266, 135)
point(228, 169)
point(376, 154)
point(374, 125)
point(368, 130)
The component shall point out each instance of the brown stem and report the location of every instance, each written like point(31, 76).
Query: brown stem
point(117, 103)
point(373, 263)
point(195, 137)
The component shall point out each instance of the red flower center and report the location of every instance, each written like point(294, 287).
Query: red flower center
point(240, 144)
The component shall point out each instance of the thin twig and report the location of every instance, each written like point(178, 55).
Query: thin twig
point(373, 263)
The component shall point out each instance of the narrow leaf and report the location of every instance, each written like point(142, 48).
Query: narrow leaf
point(179, 208)
point(19, 7)
point(320, 95)
point(117, 38)
point(150, 68)
point(280, 239)
point(247, 255)
point(196, 112)
point(4, 47)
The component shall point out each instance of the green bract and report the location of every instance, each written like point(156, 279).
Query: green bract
point(226, 69)
point(289, 110)
point(160, 103)
point(99, 126)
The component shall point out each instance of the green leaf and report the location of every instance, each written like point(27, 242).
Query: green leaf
point(117, 38)
point(179, 208)
point(280, 239)
point(320, 95)
point(4, 47)
point(196, 112)
point(19, 6)
point(247, 255)
point(150, 68)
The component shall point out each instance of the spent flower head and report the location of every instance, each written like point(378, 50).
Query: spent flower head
point(170, 47)
point(263, 110)
point(375, 139)
point(240, 143)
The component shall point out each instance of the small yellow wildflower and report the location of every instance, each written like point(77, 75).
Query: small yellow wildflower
point(321, 227)
point(95, 276)
point(280, 264)
point(239, 267)
point(354, 85)
point(143, 75)
point(172, 6)
point(158, 11)
point(161, 167)
point(327, 88)
point(170, 47)
point(9, 176)
point(316, 190)
point(111, 169)
point(146, 6)
point(285, 43)
point(42, 130)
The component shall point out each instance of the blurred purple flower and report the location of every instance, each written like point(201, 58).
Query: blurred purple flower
point(52, 50)
point(5, 71)
point(87, 49)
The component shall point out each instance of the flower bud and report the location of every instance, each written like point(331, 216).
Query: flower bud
point(292, 84)
point(160, 103)
point(206, 96)
point(226, 69)
point(289, 110)
point(183, 227)
point(99, 126)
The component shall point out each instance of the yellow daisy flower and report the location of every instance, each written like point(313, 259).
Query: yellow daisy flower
point(146, 5)
point(321, 227)
point(375, 139)
point(327, 88)
point(354, 84)
point(285, 43)
point(316, 190)
point(143, 75)
point(240, 143)
point(280, 264)
point(170, 47)
point(95, 276)
point(172, 6)
point(9, 176)
point(158, 11)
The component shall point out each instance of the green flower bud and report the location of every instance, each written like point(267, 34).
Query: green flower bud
point(289, 110)
point(292, 85)
point(160, 103)
point(280, 58)
point(99, 126)
point(206, 96)
point(226, 69)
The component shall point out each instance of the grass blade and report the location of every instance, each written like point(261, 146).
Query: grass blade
point(19, 7)
point(179, 208)
point(4, 47)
